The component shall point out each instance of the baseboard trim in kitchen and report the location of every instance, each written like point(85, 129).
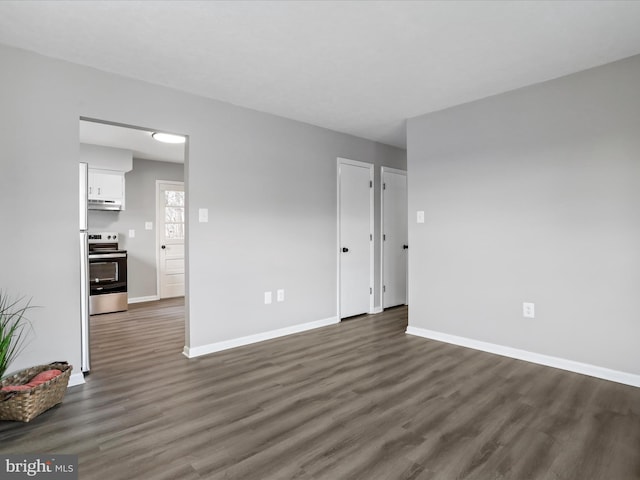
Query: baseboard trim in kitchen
point(547, 360)
point(260, 337)
point(150, 298)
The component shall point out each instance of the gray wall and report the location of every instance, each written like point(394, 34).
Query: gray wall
point(533, 196)
point(140, 185)
point(269, 184)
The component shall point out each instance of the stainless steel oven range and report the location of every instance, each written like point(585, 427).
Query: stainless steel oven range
point(107, 274)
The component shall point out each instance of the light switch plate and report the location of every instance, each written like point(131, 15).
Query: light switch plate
point(148, 225)
point(420, 216)
point(280, 295)
point(203, 215)
point(132, 233)
point(267, 298)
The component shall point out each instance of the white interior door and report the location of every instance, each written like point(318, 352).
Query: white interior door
point(355, 237)
point(171, 231)
point(395, 237)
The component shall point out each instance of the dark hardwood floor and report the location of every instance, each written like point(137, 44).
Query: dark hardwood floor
point(358, 400)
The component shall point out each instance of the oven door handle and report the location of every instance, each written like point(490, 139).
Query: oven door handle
point(93, 256)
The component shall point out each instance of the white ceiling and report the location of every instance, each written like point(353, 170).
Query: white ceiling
point(360, 67)
point(140, 142)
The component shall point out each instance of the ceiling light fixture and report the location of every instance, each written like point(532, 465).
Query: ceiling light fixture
point(168, 137)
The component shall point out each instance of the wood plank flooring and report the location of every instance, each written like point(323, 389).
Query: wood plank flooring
point(358, 400)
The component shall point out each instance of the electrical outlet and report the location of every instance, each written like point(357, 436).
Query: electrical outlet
point(280, 295)
point(420, 216)
point(267, 298)
point(528, 310)
point(148, 225)
point(132, 233)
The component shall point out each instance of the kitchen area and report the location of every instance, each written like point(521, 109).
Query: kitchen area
point(131, 224)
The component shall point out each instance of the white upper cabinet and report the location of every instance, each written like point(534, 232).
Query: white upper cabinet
point(106, 189)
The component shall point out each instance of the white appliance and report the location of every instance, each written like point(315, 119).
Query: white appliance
point(85, 363)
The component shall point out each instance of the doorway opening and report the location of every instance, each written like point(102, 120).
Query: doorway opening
point(142, 163)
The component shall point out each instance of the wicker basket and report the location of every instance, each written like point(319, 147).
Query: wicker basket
point(25, 405)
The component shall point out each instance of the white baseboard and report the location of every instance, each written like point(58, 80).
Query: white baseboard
point(260, 337)
point(150, 298)
point(377, 310)
point(549, 361)
point(75, 379)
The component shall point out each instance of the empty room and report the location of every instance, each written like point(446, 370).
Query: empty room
point(329, 240)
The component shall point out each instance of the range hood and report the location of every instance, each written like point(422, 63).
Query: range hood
point(94, 204)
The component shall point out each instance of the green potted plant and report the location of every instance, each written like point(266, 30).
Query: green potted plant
point(25, 394)
point(14, 327)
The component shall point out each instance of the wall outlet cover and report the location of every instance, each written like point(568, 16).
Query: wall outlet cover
point(267, 298)
point(420, 216)
point(132, 233)
point(528, 310)
point(148, 225)
point(280, 295)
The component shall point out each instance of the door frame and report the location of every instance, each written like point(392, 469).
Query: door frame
point(187, 325)
point(345, 161)
point(158, 183)
point(396, 171)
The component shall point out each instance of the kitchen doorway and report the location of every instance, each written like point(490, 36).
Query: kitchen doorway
point(142, 161)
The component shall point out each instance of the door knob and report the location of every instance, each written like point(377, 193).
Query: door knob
point(163, 247)
point(404, 247)
point(345, 249)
